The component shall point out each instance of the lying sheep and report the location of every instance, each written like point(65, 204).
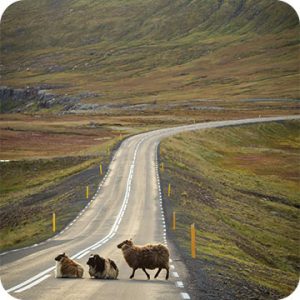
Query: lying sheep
point(67, 268)
point(102, 268)
point(146, 257)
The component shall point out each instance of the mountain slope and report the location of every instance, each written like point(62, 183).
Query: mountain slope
point(137, 49)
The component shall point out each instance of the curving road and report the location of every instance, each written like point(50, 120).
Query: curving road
point(127, 205)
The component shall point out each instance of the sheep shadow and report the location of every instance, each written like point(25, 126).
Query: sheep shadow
point(68, 278)
point(128, 280)
point(146, 281)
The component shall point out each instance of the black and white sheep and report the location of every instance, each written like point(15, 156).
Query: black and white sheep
point(102, 268)
point(146, 257)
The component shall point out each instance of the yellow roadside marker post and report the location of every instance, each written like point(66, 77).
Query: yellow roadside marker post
point(53, 222)
point(162, 167)
point(193, 241)
point(169, 190)
point(87, 192)
point(101, 169)
point(174, 220)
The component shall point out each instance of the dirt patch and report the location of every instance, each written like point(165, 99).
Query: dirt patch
point(16, 143)
point(270, 198)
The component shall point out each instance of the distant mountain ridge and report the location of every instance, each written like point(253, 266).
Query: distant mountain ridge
point(132, 49)
point(116, 21)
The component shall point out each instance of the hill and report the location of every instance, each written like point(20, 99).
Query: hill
point(151, 51)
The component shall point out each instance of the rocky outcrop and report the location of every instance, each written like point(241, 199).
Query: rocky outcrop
point(15, 100)
point(17, 94)
point(18, 100)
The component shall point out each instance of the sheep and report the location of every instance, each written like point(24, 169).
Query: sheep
point(145, 257)
point(102, 268)
point(67, 268)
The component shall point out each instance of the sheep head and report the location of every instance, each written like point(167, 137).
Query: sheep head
point(60, 256)
point(128, 243)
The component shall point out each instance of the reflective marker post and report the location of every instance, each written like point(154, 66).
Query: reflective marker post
point(87, 192)
point(169, 190)
point(53, 222)
point(174, 220)
point(193, 241)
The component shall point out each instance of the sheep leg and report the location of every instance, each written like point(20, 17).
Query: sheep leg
point(167, 275)
point(148, 276)
point(157, 273)
point(132, 275)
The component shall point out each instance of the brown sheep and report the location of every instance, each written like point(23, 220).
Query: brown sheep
point(146, 257)
point(67, 268)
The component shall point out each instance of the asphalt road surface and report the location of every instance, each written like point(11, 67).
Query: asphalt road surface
point(127, 205)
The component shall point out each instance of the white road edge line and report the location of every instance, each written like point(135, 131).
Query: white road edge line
point(33, 284)
point(175, 274)
point(179, 284)
point(30, 280)
point(185, 296)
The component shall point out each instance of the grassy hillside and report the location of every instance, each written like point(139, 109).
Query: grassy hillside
point(149, 51)
point(240, 186)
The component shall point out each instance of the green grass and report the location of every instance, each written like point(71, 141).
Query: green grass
point(240, 185)
point(23, 178)
point(26, 234)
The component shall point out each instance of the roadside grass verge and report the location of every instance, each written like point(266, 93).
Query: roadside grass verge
point(32, 190)
point(240, 186)
point(27, 177)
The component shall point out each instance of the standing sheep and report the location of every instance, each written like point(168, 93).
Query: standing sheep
point(146, 257)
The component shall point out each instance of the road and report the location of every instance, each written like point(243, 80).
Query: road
point(127, 205)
